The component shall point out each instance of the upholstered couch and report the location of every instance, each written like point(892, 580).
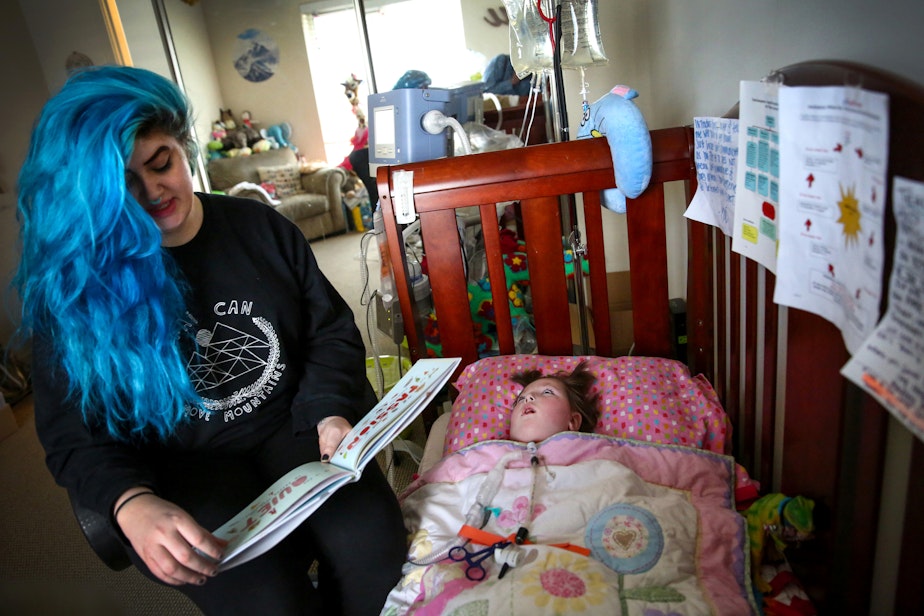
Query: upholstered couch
point(312, 200)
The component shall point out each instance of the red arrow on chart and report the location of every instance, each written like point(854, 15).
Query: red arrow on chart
point(839, 147)
point(810, 178)
point(808, 225)
point(831, 269)
point(859, 152)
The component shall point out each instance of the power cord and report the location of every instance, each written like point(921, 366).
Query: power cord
point(367, 299)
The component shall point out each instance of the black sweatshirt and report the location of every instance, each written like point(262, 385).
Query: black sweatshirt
point(272, 335)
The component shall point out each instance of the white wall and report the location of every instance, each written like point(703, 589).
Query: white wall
point(732, 40)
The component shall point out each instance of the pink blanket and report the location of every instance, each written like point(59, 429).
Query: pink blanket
point(654, 526)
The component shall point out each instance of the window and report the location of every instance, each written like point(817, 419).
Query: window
point(424, 35)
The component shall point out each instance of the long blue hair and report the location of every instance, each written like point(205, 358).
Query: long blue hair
point(93, 277)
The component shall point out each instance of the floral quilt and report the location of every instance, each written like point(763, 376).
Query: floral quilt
point(608, 526)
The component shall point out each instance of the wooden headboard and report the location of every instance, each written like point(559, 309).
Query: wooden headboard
point(800, 428)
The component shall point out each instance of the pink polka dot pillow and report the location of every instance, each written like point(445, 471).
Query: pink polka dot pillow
point(641, 398)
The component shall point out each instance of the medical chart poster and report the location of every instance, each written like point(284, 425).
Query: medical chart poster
point(715, 153)
point(889, 365)
point(757, 196)
point(833, 157)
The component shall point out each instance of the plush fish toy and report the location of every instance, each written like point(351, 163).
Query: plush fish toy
point(616, 117)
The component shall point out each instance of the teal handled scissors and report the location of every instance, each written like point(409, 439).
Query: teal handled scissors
point(474, 569)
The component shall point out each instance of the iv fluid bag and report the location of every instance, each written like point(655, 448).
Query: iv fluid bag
point(530, 40)
point(530, 46)
point(581, 45)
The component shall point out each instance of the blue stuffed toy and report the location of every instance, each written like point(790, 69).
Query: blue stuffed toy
point(279, 134)
point(616, 117)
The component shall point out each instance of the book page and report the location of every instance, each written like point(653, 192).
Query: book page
point(278, 500)
point(249, 545)
point(395, 412)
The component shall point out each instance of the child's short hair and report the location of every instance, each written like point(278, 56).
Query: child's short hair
point(577, 384)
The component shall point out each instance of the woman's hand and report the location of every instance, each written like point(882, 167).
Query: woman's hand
point(169, 541)
point(331, 431)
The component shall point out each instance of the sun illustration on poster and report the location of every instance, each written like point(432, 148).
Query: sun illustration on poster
point(850, 215)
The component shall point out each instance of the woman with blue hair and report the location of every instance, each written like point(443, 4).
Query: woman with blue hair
point(188, 352)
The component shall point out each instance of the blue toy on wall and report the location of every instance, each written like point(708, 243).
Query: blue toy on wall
point(616, 117)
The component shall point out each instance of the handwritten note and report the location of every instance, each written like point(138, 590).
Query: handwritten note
point(716, 154)
point(833, 155)
point(889, 365)
point(758, 180)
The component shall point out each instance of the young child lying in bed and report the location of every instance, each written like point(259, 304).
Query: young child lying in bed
point(552, 521)
point(553, 403)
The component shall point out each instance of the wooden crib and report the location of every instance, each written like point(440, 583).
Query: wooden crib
point(800, 427)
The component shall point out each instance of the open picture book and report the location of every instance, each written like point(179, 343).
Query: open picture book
point(298, 493)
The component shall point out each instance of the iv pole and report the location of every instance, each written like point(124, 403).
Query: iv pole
point(560, 112)
point(359, 8)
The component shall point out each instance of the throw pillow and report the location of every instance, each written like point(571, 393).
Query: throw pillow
point(270, 189)
point(286, 178)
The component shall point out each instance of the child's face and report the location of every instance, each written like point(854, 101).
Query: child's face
point(541, 410)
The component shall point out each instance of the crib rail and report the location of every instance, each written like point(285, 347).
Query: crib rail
point(801, 428)
point(539, 178)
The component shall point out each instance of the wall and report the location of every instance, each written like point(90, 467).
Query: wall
point(685, 57)
point(62, 28)
point(480, 35)
point(26, 72)
point(729, 41)
point(196, 67)
point(145, 45)
point(287, 96)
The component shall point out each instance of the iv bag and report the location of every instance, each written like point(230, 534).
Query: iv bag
point(581, 45)
point(530, 35)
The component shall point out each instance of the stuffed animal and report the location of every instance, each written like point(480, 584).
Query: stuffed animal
point(227, 119)
point(280, 133)
point(263, 145)
point(351, 90)
point(237, 135)
point(784, 520)
point(616, 117)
